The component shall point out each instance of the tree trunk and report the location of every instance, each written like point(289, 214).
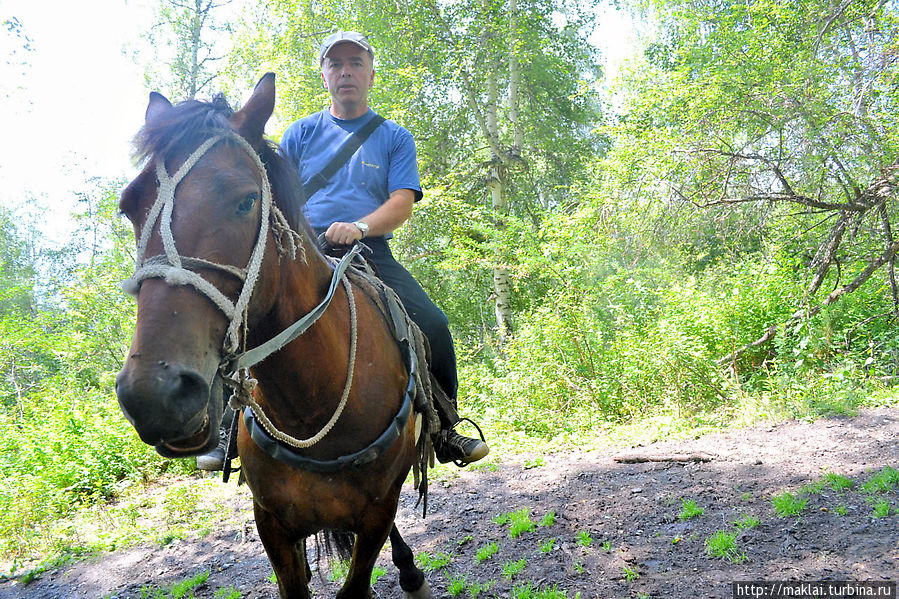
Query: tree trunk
point(502, 288)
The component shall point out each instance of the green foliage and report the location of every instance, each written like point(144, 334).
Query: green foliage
point(882, 481)
point(548, 519)
point(456, 585)
point(724, 544)
point(548, 545)
point(181, 590)
point(227, 593)
point(529, 591)
point(512, 568)
point(430, 563)
point(584, 539)
point(746, 522)
point(689, 509)
point(786, 504)
point(486, 552)
point(519, 521)
point(65, 442)
point(881, 509)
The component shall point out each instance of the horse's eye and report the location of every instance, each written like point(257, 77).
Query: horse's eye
point(247, 203)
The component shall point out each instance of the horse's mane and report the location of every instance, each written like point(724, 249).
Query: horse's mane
point(190, 123)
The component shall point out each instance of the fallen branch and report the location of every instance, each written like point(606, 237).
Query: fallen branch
point(635, 458)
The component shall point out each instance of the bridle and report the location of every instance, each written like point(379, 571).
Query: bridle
point(176, 269)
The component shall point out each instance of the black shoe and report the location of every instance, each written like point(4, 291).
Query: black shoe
point(450, 446)
point(215, 459)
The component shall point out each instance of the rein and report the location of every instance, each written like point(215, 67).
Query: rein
point(175, 269)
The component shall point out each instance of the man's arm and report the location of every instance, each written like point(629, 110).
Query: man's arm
point(390, 215)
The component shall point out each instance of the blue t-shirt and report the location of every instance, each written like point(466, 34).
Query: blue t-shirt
point(384, 163)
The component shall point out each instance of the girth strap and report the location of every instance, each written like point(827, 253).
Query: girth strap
point(284, 453)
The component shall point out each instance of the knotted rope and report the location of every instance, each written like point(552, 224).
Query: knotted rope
point(243, 388)
point(174, 270)
point(171, 265)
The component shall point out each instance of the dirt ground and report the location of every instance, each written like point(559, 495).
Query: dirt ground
point(640, 546)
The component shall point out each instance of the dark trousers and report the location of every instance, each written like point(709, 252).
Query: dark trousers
point(423, 312)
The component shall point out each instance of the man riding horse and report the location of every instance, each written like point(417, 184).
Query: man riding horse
point(360, 178)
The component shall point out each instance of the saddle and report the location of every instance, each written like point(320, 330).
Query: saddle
point(430, 400)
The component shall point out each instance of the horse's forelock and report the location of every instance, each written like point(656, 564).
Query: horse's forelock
point(185, 126)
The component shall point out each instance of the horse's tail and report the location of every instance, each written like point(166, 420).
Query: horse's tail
point(335, 544)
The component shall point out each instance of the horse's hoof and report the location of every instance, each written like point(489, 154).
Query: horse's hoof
point(423, 592)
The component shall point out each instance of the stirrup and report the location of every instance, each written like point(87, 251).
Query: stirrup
point(444, 433)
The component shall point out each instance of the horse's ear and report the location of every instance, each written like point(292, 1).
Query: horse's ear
point(158, 106)
point(250, 120)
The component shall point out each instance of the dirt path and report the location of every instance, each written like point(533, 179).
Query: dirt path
point(640, 546)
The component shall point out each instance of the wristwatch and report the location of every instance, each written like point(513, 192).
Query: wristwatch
point(362, 227)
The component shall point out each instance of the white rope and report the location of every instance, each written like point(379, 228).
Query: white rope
point(255, 265)
point(243, 395)
point(170, 268)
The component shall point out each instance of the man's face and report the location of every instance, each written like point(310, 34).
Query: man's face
point(348, 74)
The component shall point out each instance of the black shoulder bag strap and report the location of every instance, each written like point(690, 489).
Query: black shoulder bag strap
point(353, 142)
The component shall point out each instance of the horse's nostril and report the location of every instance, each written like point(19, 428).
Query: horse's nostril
point(192, 387)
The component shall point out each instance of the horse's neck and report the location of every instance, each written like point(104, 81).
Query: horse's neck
point(314, 365)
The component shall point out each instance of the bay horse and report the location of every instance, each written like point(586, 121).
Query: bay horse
point(225, 265)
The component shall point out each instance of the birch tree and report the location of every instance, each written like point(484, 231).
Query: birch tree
point(188, 38)
point(498, 95)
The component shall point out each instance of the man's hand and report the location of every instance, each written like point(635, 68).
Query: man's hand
point(390, 215)
point(343, 234)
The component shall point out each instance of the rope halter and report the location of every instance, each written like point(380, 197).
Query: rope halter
point(176, 269)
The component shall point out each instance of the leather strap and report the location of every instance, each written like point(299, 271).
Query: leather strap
point(353, 142)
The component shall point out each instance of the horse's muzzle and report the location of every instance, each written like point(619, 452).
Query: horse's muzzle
point(171, 408)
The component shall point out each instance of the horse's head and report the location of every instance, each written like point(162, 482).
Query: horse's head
point(201, 210)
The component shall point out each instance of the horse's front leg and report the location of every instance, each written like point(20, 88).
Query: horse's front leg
point(286, 552)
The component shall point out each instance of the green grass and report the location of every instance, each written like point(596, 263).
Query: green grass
point(456, 585)
point(179, 590)
point(430, 563)
point(689, 509)
point(486, 552)
point(548, 519)
point(881, 509)
point(838, 482)
point(723, 544)
point(227, 593)
point(548, 545)
point(786, 504)
point(630, 574)
point(460, 583)
point(584, 539)
point(511, 568)
point(883, 481)
point(519, 521)
point(534, 463)
point(528, 591)
point(746, 522)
